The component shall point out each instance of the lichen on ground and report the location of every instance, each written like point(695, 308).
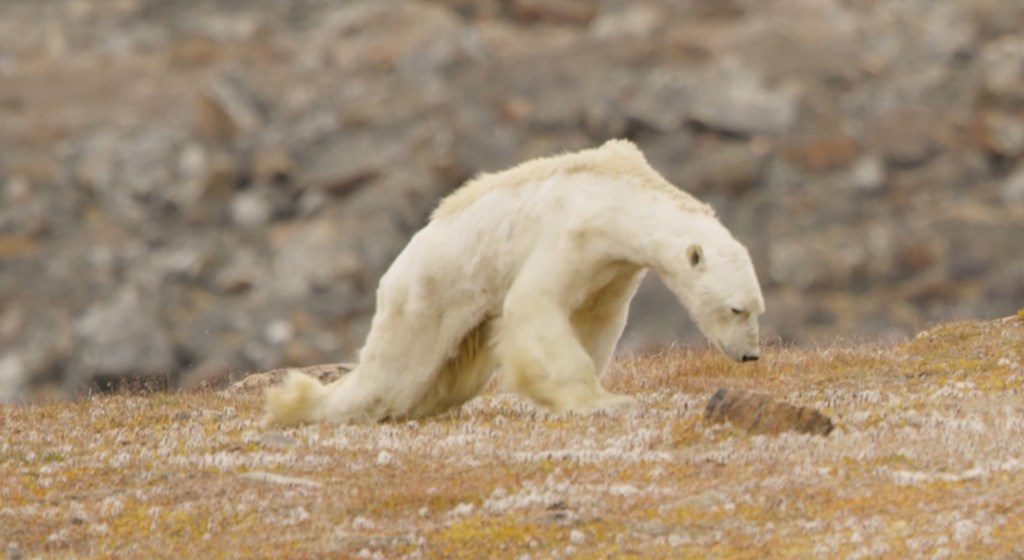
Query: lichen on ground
point(927, 460)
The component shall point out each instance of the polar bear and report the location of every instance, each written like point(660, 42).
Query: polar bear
point(531, 270)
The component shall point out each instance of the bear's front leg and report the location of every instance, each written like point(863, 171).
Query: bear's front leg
point(541, 356)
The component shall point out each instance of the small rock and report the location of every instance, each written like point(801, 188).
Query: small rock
point(345, 164)
point(561, 518)
point(326, 373)
point(235, 97)
point(1000, 134)
point(193, 51)
point(14, 553)
point(630, 21)
point(37, 167)
point(1012, 190)
point(730, 168)
point(1002, 68)
point(228, 106)
point(759, 414)
point(222, 175)
point(251, 209)
point(240, 273)
point(280, 479)
point(554, 11)
point(278, 441)
point(384, 458)
point(823, 153)
point(867, 174)
point(909, 137)
point(279, 331)
point(661, 101)
point(272, 164)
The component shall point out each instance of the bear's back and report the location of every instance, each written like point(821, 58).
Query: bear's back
point(616, 159)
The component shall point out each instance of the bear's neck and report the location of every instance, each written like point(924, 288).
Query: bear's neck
point(656, 236)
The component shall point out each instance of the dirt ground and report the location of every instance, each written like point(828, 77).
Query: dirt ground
point(926, 461)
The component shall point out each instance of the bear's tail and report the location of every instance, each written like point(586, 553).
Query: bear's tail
point(299, 400)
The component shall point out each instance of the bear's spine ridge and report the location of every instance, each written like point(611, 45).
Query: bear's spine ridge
point(296, 401)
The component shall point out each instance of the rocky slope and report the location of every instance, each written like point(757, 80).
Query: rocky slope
point(190, 191)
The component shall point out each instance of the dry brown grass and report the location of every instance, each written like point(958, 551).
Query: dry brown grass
point(927, 460)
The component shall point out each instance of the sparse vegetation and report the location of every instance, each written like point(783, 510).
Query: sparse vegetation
point(927, 460)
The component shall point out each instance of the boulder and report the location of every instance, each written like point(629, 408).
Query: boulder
point(755, 413)
point(123, 337)
point(734, 99)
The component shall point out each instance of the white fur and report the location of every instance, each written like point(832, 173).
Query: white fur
point(536, 276)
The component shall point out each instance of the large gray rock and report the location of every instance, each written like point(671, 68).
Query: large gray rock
point(733, 98)
point(13, 377)
point(123, 337)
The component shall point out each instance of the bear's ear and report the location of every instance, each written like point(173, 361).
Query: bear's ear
point(695, 256)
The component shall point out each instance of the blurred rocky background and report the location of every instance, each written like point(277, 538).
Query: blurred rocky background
point(193, 190)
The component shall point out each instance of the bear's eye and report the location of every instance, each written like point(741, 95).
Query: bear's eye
point(736, 311)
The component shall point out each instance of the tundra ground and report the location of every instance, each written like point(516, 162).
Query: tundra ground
point(927, 460)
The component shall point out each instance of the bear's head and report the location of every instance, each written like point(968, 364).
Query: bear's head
point(717, 284)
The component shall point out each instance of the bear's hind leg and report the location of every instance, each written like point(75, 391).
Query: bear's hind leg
point(464, 375)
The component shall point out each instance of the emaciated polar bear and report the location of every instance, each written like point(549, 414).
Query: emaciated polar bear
point(532, 269)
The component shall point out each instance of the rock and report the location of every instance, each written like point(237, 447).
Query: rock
point(14, 553)
point(38, 168)
point(278, 441)
point(554, 11)
point(909, 137)
point(278, 332)
point(1013, 187)
point(1000, 134)
point(194, 51)
point(371, 35)
point(251, 209)
point(755, 413)
point(730, 168)
point(41, 339)
point(733, 99)
point(272, 164)
point(280, 479)
point(1012, 190)
point(346, 163)
point(326, 373)
point(207, 176)
point(243, 271)
point(823, 153)
point(122, 337)
point(308, 257)
point(662, 102)
point(867, 174)
point(228, 106)
point(631, 21)
point(13, 377)
point(17, 247)
point(1002, 63)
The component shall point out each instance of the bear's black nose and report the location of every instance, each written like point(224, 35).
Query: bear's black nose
point(750, 358)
